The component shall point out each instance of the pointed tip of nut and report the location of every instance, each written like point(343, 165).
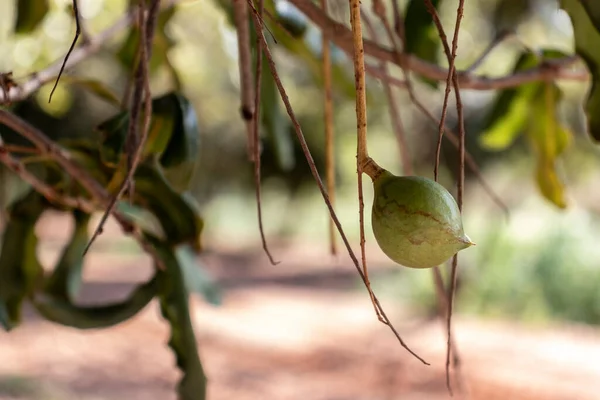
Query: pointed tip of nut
point(467, 241)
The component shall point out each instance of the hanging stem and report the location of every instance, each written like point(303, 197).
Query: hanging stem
point(329, 137)
point(364, 162)
point(240, 15)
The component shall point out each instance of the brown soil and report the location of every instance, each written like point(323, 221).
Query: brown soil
point(294, 331)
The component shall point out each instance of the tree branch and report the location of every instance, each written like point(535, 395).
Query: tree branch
point(80, 53)
point(63, 158)
point(342, 37)
point(16, 166)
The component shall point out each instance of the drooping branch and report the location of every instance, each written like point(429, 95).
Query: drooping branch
point(341, 35)
point(64, 159)
point(17, 167)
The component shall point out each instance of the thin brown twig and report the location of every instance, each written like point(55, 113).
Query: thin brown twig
point(320, 184)
point(141, 96)
point(451, 58)
point(452, 78)
point(256, 136)
point(329, 132)
point(362, 154)
point(13, 148)
point(64, 159)
point(91, 46)
point(460, 188)
point(77, 33)
point(247, 111)
point(395, 116)
point(342, 37)
point(379, 8)
point(16, 166)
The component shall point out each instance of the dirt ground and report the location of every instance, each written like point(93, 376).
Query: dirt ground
point(298, 330)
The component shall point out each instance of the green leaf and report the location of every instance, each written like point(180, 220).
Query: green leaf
point(549, 140)
point(510, 113)
point(113, 133)
point(177, 213)
point(507, 119)
point(12, 187)
point(276, 123)
point(142, 218)
point(174, 305)
point(20, 269)
point(65, 281)
point(593, 11)
point(173, 134)
point(30, 13)
point(196, 277)
point(64, 312)
point(292, 20)
point(585, 17)
point(510, 14)
point(95, 86)
point(161, 43)
point(300, 49)
point(184, 141)
point(422, 38)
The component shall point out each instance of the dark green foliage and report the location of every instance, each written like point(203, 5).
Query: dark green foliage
point(30, 13)
point(167, 216)
point(585, 16)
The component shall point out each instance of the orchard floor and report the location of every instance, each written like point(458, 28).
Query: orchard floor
point(296, 331)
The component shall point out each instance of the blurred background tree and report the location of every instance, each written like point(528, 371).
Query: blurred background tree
point(529, 70)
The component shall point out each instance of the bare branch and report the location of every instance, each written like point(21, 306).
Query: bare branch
point(16, 166)
point(395, 116)
point(240, 16)
point(255, 123)
point(316, 176)
point(77, 33)
point(87, 48)
point(329, 132)
point(63, 158)
point(342, 37)
point(134, 143)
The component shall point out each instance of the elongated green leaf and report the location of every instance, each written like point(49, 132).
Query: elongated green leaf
point(30, 13)
point(20, 269)
point(195, 276)
point(507, 119)
point(422, 37)
point(95, 86)
point(184, 141)
point(177, 212)
point(292, 20)
point(65, 281)
point(174, 304)
point(173, 134)
point(549, 140)
point(142, 218)
point(12, 187)
point(113, 133)
point(64, 312)
point(275, 122)
point(509, 14)
point(585, 17)
point(342, 80)
point(592, 7)
point(161, 44)
point(509, 116)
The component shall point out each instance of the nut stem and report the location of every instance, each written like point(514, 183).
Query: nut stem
point(371, 168)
